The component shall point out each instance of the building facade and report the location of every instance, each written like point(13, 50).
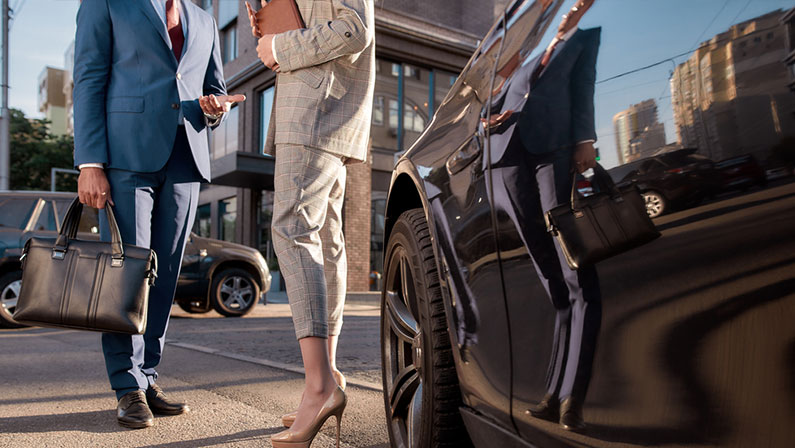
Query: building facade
point(788, 20)
point(638, 131)
point(51, 99)
point(731, 97)
point(420, 47)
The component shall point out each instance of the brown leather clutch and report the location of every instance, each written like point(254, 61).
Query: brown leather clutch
point(279, 16)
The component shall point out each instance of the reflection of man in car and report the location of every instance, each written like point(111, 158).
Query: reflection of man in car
point(541, 131)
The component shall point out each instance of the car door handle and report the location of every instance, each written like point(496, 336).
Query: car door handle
point(464, 155)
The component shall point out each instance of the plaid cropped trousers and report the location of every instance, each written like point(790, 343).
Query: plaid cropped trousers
point(309, 188)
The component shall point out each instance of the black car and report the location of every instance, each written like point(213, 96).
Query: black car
point(695, 334)
point(219, 275)
point(671, 180)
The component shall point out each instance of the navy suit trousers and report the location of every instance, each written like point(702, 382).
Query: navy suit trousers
point(154, 210)
point(535, 184)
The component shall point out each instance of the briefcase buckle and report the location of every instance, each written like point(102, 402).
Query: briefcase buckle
point(117, 262)
point(578, 214)
point(58, 254)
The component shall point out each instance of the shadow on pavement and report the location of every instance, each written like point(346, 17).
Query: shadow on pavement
point(220, 440)
point(720, 211)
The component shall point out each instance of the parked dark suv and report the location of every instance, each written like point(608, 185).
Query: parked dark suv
point(671, 180)
point(219, 275)
point(688, 340)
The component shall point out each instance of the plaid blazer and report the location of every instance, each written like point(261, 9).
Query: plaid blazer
point(324, 89)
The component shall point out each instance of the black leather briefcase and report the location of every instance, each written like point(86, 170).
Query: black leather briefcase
point(591, 229)
point(86, 285)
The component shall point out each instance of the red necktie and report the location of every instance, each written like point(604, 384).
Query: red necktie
point(544, 62)
point(174, 25)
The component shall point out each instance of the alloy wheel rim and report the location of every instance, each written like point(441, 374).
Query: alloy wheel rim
point(9, 297)
point(237, 293)
point(403, 351)
point(653, 204)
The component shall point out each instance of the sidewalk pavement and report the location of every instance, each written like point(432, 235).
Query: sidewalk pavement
point(56, 394)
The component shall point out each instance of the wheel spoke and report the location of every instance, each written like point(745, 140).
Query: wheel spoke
point(15, 287)
point(10, 304)
point(226, 289)
point(247, 291)
point(414, 419)
point(237, 283)
point(406, 383)
point(405, 276)
point(400, 319)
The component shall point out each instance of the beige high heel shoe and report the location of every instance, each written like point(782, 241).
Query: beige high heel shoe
point(288, 419)
point(334, 406)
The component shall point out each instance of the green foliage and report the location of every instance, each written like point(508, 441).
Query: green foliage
point(34, 150)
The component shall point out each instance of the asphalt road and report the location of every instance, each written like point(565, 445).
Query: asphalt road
point(240, 375)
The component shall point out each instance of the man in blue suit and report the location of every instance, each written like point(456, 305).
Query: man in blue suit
point(148, 85)
point(542, 131)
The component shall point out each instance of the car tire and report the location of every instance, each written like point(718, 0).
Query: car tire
point(188, 307)
point(421, 391)
point(234, 292)
point(656, 204)
point(10, 285)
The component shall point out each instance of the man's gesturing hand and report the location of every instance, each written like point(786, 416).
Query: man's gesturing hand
point(217, 105)
point(93, 188)
point(584, 157)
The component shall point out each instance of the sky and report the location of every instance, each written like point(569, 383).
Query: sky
point(40, 33)
point(635, 33)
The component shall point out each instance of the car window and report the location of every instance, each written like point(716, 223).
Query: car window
point(61, 207)
point(46, 221)
point(15, 212)
point(89, 222)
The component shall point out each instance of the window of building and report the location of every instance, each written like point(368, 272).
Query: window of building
point(413, 120)
point(770, 36)
point(207, 5)
point(229, 40)
point(266, 98)
point(227, 216)
point(378, 111)
point(394, 110)
point(225, 136)
point(227, 12)
point(203, 226)
point(416, 99)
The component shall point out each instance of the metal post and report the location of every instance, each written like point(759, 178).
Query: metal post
point(5, 116)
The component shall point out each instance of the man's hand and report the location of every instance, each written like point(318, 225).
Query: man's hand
point(584, 157)
point(93, 188)
point(219, 105)
point(265, 52)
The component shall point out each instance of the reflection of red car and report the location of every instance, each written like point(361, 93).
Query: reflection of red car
point(741, 173)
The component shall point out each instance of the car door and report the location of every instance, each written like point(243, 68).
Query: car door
point(42, 222)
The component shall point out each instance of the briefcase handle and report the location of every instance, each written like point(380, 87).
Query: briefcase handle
point(69, 232)
point(601, 178)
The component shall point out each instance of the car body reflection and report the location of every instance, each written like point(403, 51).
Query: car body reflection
point(694, 345)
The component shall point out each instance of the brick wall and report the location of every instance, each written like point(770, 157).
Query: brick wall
point(356, 225)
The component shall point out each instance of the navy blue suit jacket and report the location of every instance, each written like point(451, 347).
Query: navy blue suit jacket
point(559, 112)
point(129, 88)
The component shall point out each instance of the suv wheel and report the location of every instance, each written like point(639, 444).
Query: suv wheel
point(10, 285)
point(234, 292)
point(192, 307)
point(421, 392)
point(655, 203)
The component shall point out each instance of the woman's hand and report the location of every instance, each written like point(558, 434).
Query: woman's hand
point(252, 18)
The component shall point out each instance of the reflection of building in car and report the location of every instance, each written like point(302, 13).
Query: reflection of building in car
point(670, 180)
point(731, 96)
point(638, 131)
point(741, 173)
point(219, 275)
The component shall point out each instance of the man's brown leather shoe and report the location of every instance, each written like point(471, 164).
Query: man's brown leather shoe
point(547, 409)
point(132, 411)
point(161, 405)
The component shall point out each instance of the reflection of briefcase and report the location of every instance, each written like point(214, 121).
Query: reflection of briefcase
point(86, 285)
point(600, 226)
